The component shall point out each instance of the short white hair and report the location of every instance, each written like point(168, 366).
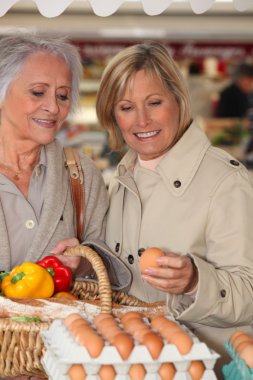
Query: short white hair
point(16, 48)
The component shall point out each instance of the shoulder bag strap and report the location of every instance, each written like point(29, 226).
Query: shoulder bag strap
point(77, 186)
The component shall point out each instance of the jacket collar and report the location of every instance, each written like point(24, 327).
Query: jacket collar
point(179, 165)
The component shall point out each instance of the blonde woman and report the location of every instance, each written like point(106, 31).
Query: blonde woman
point(174, 191)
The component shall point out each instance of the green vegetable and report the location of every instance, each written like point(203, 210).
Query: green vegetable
point(22, 318)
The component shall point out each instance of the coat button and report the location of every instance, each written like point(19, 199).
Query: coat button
point(117, 246)
point(130, 259)
point(223, 293)
point(140, 251)
point(177, 183)
point(234, 163)
point(30, 224)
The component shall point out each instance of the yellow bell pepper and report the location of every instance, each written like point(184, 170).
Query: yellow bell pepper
point(28, 280)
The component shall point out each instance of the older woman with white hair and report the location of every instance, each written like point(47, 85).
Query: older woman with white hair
point(39, 86)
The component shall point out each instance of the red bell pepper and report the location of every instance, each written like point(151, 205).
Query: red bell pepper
point(62, 275)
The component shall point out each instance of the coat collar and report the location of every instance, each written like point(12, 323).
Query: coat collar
point(179, 165)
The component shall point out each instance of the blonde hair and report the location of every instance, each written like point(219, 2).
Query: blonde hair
point(155, 59)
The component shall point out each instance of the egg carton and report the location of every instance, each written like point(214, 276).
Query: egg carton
point(237, 368)
point(61, 345)
point(57, 370)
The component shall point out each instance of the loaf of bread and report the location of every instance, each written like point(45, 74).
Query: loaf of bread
point(59, 308)
point(46, 309)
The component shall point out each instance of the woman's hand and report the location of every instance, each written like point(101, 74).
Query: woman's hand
point(79, 265)
point(176, 274)
point(72, 262)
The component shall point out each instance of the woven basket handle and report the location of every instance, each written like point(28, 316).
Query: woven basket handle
point(104, 286)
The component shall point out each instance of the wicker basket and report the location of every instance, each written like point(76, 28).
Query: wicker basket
point(21, 346)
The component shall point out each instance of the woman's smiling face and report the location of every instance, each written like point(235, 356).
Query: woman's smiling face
point(38, 100)
point(148, 116)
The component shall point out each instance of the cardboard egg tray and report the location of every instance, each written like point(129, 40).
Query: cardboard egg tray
point(236, 369)
point(62, 351)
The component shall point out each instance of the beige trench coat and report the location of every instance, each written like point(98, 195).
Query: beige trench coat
point(201, 203)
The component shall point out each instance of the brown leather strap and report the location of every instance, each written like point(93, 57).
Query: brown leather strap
point(77, 186)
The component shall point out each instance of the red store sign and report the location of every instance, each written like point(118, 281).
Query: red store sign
point(224, 51)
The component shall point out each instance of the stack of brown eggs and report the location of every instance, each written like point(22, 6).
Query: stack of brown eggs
point(129, 347)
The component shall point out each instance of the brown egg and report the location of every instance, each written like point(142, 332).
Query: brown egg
point(107, 372)
point(242, 345)
point(101, 317)
point(134, 324)
point(139, 333)
point(76, 372)
point(167, 333)
point(160, 323)
point(110, 333)
point(167, 371)
point(124, 344)
point(100, 320)
point(182, 341)
point(239, 339)
point(154, 344)
point(105, 325)
point(166, 328)
point(137, 372)
point(235, 335)
point(246, 354)
point(78, 325)
point(132, 320)
point(149, 257)
point(129, 315)
point(93, 343)
point(196, 369)
point(72, 317)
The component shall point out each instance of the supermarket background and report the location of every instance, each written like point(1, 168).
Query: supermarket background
point(216, 34)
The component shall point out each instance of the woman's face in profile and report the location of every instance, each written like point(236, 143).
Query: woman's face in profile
point(38, 100)
point(148, 116)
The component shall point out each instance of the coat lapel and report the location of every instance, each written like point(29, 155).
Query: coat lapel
point(55, 199)
point(5, 246)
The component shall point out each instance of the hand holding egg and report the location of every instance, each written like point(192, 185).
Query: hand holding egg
point(168, 272)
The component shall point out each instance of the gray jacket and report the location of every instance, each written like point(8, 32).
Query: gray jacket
point(57, 218)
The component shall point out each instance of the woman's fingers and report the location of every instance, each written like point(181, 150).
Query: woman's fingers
point(62, 245)
point(176, 275)
point(71, 261)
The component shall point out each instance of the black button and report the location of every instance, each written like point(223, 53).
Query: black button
point(234, 163)
point(117, 246)
point(223, 293)
point(140, 251)
point(177, 183)
point(130, 259)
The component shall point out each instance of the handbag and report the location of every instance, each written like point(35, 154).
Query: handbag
point(77, 187)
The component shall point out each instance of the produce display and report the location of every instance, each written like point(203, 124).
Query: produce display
point(130, 346)
point(44, 279)
point(240, 348)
